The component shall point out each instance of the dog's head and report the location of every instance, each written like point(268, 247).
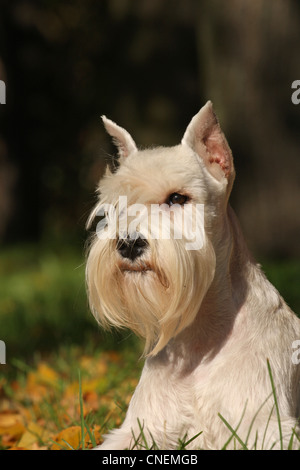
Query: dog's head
point(153, 256)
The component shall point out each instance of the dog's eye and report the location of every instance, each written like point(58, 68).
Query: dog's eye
point(176, 198)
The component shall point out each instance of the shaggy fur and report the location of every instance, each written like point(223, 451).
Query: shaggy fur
point(210, 318)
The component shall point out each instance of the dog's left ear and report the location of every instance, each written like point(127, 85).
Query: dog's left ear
point(121, 138)
point(205, 137)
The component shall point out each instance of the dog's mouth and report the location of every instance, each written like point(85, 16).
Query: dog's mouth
point(144, 269)
point(135, 268)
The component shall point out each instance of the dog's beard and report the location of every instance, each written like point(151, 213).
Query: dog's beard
point(157, 296)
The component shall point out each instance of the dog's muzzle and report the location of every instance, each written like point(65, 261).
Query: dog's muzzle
point(131, 247)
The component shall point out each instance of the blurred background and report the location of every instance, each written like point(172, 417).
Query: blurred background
point(149, 65)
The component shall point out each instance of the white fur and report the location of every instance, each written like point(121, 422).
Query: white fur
point(210, 318)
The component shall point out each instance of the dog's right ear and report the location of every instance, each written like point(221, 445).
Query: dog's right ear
point(204, 135)
point(121, 138)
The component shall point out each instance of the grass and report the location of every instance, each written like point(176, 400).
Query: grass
point(65, 382)
point(285, 275)
point(43, 302)
point(42, 293)
point(58, 395)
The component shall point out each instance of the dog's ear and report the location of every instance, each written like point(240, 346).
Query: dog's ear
point(121, 138)
point(205, 137)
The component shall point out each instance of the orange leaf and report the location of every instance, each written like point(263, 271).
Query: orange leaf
point(69, 438)
point(11, 424)
point(94, 366)
point(45, 375)
point(32, 436)
point(114, 356)
point(91, 399)
point(99, 385)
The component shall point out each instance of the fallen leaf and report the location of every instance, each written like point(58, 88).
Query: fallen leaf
point(69, 439)
point(98, 385)
point(91, 400)
point(96, 367)
point(11, 424)
point(11, 428)
point(45, 375)
point(40, 382)
point(34, 434)
point(114, 356)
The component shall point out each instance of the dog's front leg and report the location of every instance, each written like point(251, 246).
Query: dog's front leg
point(129, 434)
point(153, 419)
point(118, 439)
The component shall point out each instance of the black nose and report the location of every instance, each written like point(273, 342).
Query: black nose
point(131, 248)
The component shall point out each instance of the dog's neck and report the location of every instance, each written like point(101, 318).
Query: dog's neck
point(226, 302)
point(229, 287)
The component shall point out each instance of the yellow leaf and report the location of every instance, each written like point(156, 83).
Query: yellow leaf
point(94, 366)
point(46, 375)
point(99, 385)
point(34, 390)
point(35, 446)
point(72, 389)
point(8, 419)
point(33, 435)
point(11, 424)
point(39, 381)
point(69, 439)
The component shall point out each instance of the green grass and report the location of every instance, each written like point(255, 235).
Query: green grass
point(43, 302)
point(42, 299)
point(285, 275)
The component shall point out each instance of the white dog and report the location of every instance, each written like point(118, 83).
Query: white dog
point(220, 340)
